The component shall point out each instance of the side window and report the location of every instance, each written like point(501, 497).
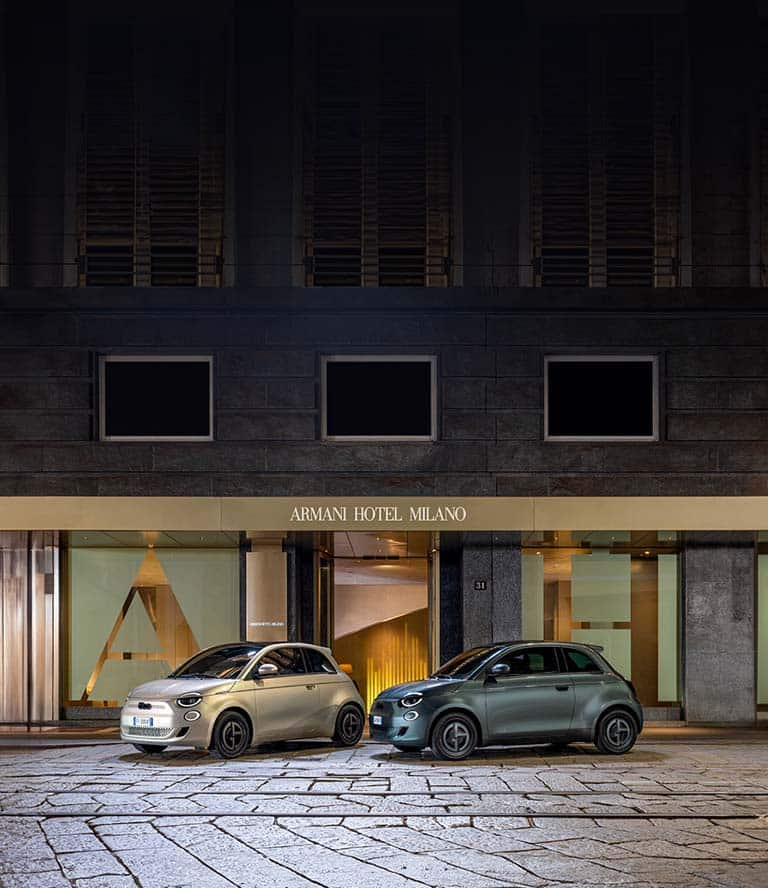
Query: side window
point(578, 661)
point(316, 662)
point(288, 660)
point(531, 661)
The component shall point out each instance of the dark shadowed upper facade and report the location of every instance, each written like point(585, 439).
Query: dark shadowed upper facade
point(340, 321)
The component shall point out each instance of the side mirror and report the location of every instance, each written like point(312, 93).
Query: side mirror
point(267, 669)
point(500, 669)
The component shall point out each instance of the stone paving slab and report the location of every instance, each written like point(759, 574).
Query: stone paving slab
point(299, 815)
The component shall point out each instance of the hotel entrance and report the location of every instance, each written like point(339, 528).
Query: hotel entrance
point(381, 591)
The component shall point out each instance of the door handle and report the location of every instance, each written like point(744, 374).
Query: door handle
point(562, 687)
point(311, 687)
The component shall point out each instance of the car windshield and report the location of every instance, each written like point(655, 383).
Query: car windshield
point(464, 664)
point(223, 662)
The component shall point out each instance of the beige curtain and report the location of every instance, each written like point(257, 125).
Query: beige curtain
point(29, 626)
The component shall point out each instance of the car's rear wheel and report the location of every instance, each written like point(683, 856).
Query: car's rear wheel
point(616, 733)
point(149, 748)
point(454, 737)
point(231, 735)
point(349, 726)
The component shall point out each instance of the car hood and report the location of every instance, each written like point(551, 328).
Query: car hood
point(165, 688)
point(416, 687)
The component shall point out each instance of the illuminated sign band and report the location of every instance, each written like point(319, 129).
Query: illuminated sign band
point(372, 514)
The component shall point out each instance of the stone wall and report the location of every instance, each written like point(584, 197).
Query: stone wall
point(490, 344)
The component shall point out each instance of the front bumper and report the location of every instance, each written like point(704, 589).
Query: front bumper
point(387, 724)
point(162, 723)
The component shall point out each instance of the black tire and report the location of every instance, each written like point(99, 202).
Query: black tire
point(454, 737)
point(231, 735)
point(616, 733)
point(350, 722)
point(149, 748)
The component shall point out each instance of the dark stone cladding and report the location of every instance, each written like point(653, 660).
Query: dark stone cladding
point(490, 344)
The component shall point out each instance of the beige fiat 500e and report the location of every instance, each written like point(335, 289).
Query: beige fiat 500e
point(230, 697)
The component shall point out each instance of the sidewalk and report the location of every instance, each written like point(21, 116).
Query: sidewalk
point(653, 732)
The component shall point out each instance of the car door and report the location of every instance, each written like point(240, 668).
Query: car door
point(588, 681)
point(330, 688)
point(534, 700)
point(284, 702)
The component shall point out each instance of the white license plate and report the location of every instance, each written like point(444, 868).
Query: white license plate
point(376, 719)
point(139, 722)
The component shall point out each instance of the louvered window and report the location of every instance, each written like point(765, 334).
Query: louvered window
point(377, 143)
point(151, 182)
point(763, 160)
point(605, 174)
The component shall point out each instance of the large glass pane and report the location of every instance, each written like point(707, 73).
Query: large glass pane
point(616, 589)
point(135, 614)
point(381, 614)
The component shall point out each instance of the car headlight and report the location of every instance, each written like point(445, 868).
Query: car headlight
point(410, 700)
point(189, 700)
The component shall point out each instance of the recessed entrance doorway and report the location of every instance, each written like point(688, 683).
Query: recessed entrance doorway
point(383, 604)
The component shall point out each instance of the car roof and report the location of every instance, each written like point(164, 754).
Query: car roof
point(499, 645)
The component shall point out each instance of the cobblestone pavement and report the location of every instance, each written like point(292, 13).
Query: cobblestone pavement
point(669, 814)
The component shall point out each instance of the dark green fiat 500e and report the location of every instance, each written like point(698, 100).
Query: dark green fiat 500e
point(522, 692)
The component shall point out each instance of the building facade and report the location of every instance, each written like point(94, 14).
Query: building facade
point(344, 323)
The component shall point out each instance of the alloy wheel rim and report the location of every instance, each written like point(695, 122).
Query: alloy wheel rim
point(618, 731)
point(350, 725)
point(232, 735)
point(456, 737)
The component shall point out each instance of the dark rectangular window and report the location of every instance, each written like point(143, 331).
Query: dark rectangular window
point(165, 398)
point(379, 397)
point(601, 398)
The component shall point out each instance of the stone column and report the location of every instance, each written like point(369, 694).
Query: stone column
point(719, 627)
point(301, 586)
point(491, 588)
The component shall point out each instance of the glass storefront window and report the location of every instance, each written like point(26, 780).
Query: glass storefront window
point(762, 619)
point(617, 589)
point(136, 613)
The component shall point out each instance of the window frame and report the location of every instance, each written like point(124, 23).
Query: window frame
point(563, 651)
point(605, 358)
point(522, 650)
point(305, 653)
point(156, 359)
point(382, 359)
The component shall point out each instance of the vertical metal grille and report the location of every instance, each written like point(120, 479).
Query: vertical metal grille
point(605, 179)
point(377, 194)
point(763, 151)
point(108, 167)
point(151, 190)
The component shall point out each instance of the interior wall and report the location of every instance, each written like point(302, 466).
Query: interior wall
point(359, 606)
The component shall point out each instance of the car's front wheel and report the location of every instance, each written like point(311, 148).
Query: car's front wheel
point(349, 726)
point(454, 737)
point(616, 733)
point(149, 748)
point(232, 735)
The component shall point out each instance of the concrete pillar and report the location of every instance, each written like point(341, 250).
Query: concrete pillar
point(490, 588)
point(450, 596)
point(719, 627)
point(301, 586)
